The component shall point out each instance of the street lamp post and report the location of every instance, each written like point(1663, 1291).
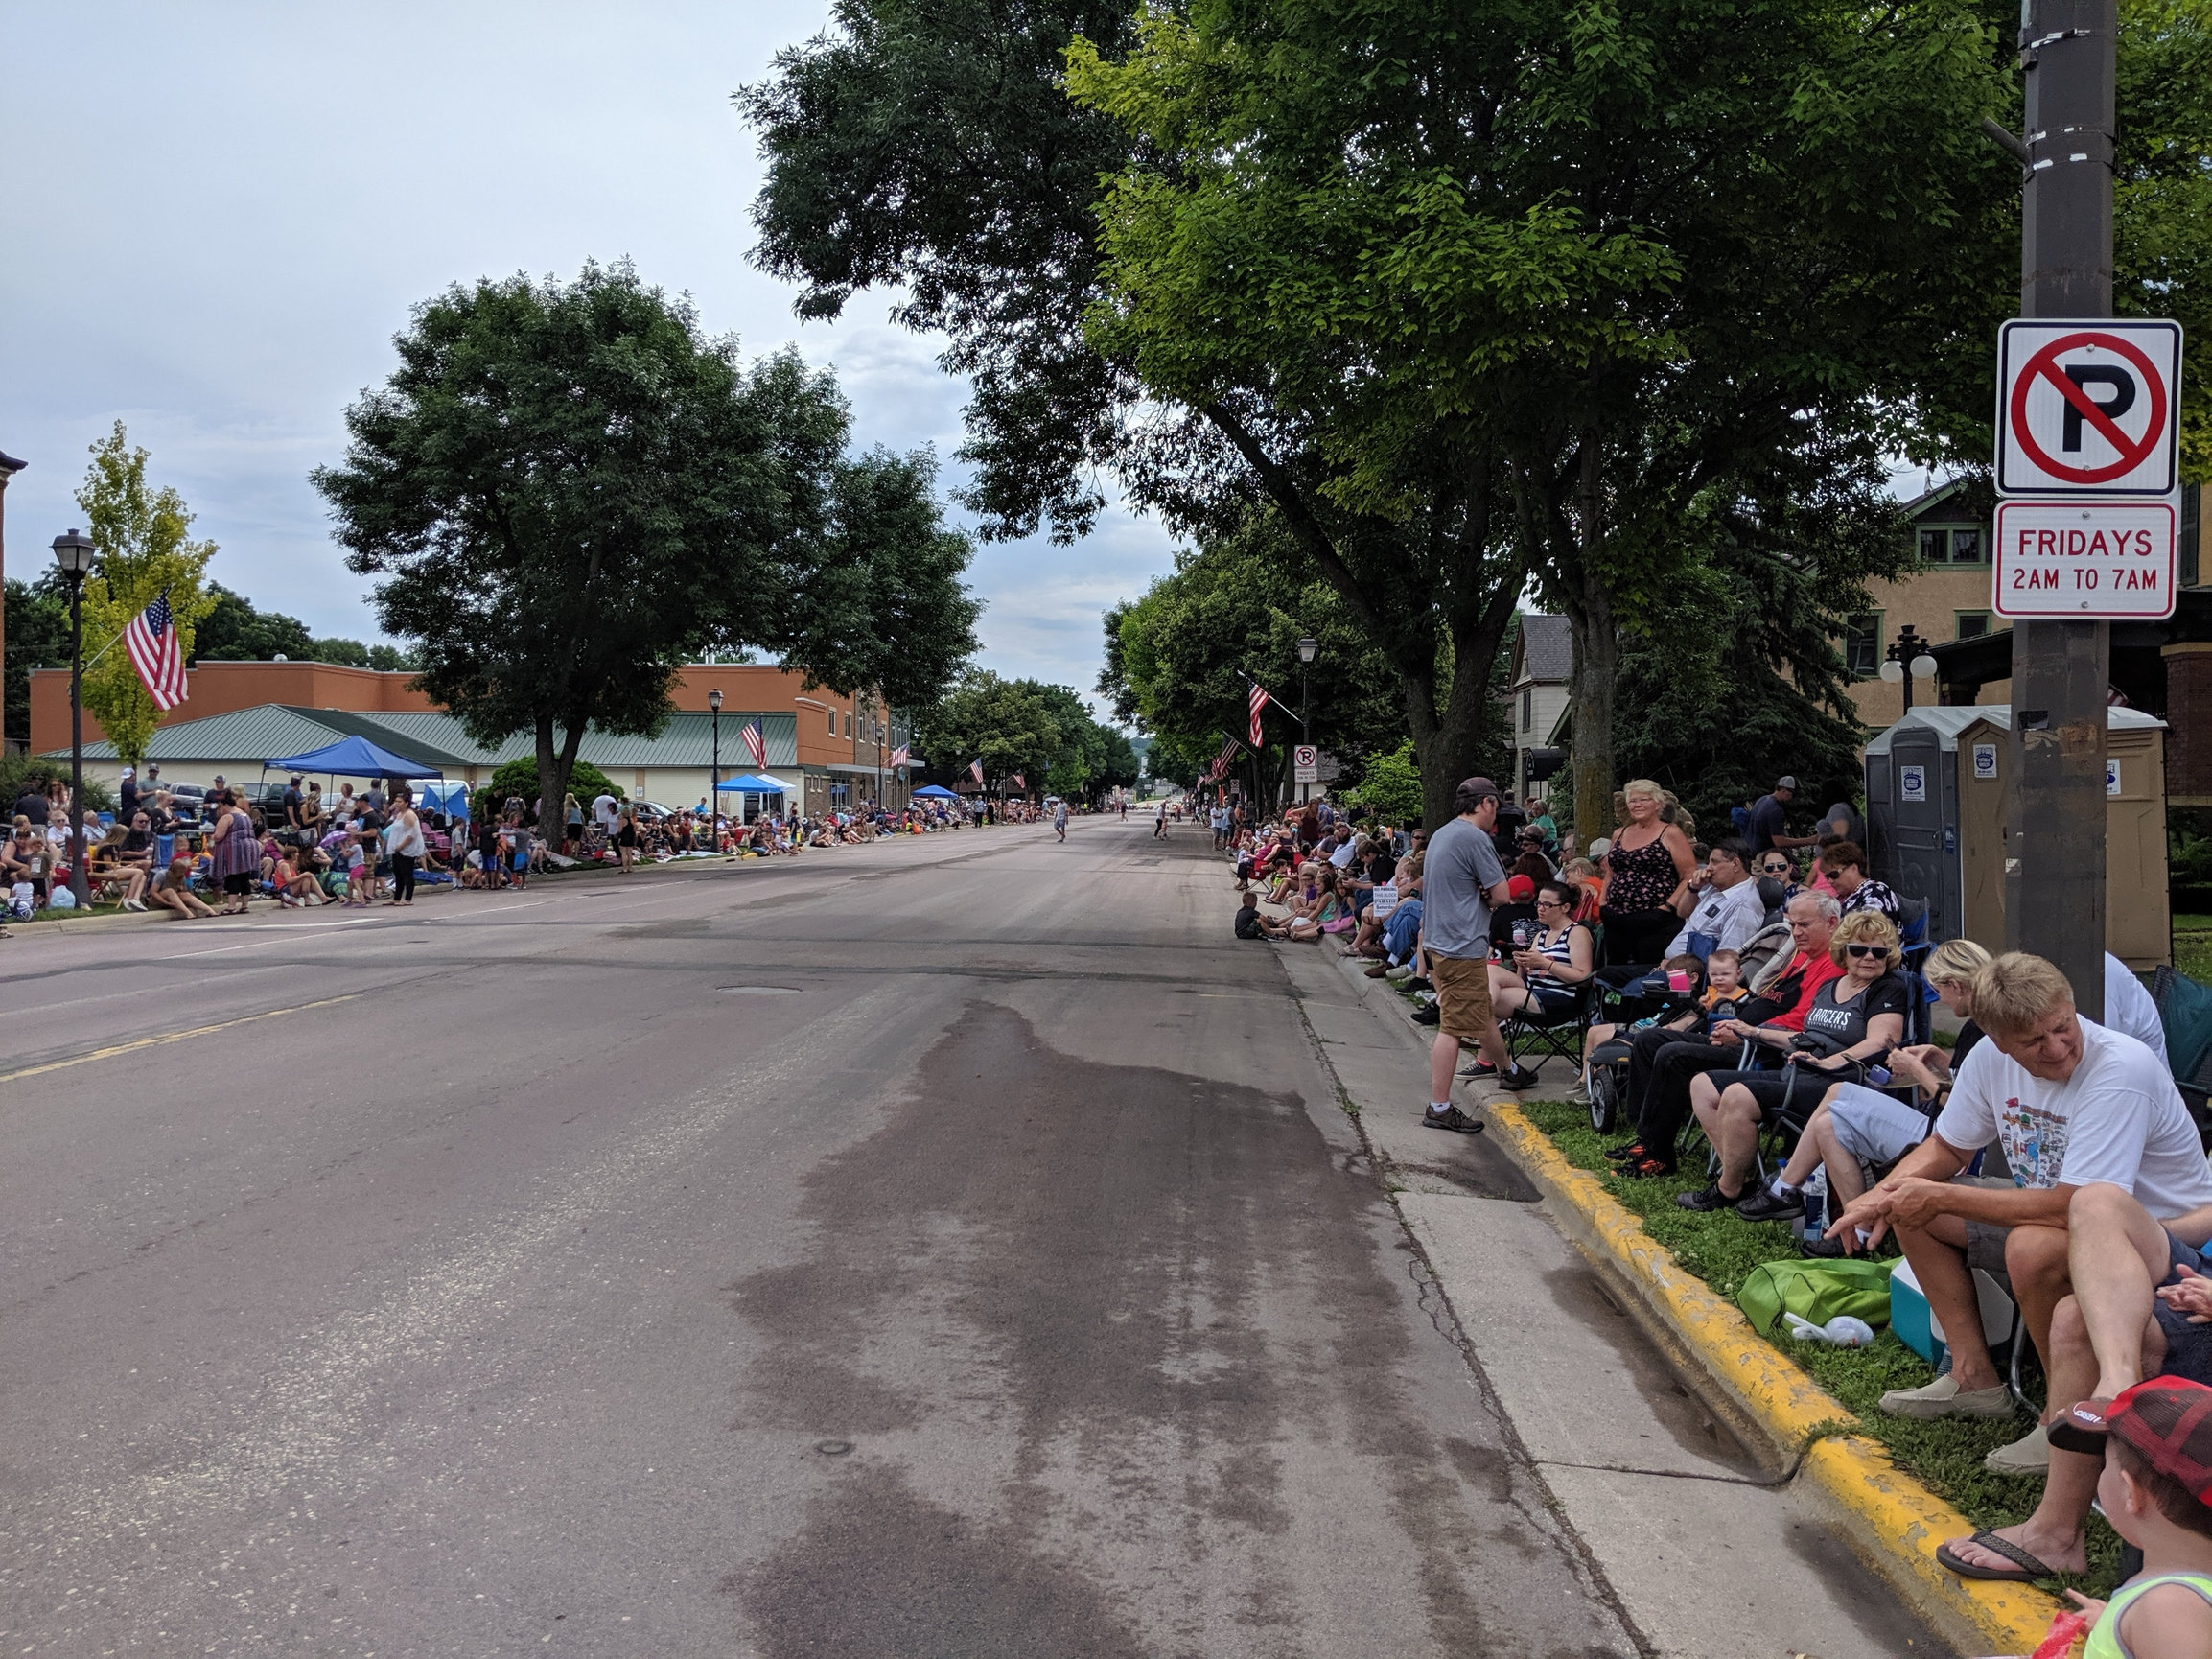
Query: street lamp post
point(1308, 649)
point(1907, 661)
point(714, 705)
point(74, 554)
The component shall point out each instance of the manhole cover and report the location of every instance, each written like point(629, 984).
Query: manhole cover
point(760, 989)
point(833, 1448)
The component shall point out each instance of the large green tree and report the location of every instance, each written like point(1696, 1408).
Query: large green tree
point(235, 631)
point(1180, 658)
point(1009, 725)
point(568, 491)
point(37, 637)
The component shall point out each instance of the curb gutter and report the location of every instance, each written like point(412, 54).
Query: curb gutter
point(1898, 1521)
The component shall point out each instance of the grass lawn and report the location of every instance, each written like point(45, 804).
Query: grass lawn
point(1945, 1456)
point(2193, 947)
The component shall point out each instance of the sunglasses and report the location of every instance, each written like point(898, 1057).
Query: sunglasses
point(1776, 868)
point(1866, 950)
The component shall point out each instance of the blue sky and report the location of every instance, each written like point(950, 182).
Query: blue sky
point(217, 216)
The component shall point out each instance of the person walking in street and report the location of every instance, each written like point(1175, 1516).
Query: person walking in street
point(1060, 820)
point(1460, 879)
point(408, 845)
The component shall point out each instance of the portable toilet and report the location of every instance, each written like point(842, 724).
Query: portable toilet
point(1936, 806)
point(2136, 923)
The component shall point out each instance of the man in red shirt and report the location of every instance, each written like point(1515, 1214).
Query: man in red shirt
point(1663, 1062)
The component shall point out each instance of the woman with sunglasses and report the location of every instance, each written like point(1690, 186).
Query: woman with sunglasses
point(1857, 1018)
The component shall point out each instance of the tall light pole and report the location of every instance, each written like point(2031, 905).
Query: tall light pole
point(1907, 661)
point(74, 554)
point(714, 705)
point(1308, 649)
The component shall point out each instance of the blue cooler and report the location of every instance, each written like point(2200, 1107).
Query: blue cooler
point(1919, 1330)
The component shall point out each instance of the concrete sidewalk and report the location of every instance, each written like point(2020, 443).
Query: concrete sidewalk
point(1712, 1553)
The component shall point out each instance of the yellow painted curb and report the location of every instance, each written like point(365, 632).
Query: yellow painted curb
point(1898, 1515)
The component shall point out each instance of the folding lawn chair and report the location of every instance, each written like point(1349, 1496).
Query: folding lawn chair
point(1557, 1036)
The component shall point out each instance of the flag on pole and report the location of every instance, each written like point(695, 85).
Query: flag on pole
point(755, 743)
point(1260, 700)
point(1227, 756)
point(1019, 782)
point(898, 756)
point(975, 768)
point(151, 638)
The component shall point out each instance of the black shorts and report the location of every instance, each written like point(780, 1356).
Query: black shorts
point(239, 886)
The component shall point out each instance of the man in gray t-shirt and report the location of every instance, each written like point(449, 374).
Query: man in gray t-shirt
point(1460, 880)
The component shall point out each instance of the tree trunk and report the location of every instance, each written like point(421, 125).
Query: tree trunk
point(1448, 745)
point(549, 777)
point(1597, 642)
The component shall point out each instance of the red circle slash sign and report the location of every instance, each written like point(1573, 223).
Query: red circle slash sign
point(2133, 452)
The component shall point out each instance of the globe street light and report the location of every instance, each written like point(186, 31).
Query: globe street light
point(74, 554)
point(1907, 661)
point(715, 705)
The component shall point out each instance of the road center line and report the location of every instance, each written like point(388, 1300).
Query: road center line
point(139, 1042)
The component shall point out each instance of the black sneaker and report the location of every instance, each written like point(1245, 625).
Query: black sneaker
point(1628, 1152)
point(1764, 1205)
point(1827, 1249)
point(1711, 1199)
point(1428, 1016)
point(1452, 1119)
point(1519, 1078)
point(1416, 985)
point(1481, 1068)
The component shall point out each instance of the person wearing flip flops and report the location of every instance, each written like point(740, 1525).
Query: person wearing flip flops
point(1461, 878)
point(2072, 1105)
point(2142, 1306)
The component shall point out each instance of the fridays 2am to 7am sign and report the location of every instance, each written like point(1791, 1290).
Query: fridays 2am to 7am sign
point(2073, 560)
point(2088, 441)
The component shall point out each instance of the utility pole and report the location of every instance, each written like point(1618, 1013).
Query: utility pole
point(2055, 840)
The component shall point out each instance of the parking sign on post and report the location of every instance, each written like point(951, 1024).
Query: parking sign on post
point(2088, 441)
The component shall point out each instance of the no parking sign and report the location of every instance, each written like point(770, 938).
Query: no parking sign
point(2088, 408)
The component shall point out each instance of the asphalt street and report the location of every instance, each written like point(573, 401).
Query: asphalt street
point(949, 1246)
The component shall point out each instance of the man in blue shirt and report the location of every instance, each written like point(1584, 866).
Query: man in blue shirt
point(1460, 879)
point(1770, 822)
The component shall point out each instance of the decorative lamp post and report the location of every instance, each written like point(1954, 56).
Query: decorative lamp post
point(1308, 649)
point(74, 554)
point(1907, 661)
point(714, 705)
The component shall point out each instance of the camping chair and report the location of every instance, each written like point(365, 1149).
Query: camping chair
point(2185, 1014)
point(1559, 1035)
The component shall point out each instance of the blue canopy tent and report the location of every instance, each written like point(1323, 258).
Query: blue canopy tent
point(754, 783)
point(935, 792)
point(450, 800)
point(354, 758)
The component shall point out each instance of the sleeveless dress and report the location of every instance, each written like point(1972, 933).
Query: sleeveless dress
point(238, 852)
point(2104, 1639)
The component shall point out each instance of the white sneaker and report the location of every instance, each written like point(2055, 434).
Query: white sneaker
point(1942, 1398)
point(2029, 1455)
point(1399, 974)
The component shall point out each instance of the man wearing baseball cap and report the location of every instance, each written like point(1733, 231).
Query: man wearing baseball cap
point(1770, 821)
point(1460, 880)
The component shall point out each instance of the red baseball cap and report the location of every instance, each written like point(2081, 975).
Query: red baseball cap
point(2169, 1421)
point(1519, 889)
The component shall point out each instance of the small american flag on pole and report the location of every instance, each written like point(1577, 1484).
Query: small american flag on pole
point(1260, 700)
point(756, 744)
point(975, 768)
point(898, 756)
point(151, 638)
point(1019, 782)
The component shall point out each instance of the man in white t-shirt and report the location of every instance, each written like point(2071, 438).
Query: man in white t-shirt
point(605, 815)
point(2070, 1102)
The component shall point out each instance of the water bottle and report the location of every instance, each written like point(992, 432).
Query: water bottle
point(1815, 1195)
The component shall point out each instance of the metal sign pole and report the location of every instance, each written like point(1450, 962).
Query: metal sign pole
point(2055, 838)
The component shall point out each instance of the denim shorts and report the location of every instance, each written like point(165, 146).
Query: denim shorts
point(2188, 1346)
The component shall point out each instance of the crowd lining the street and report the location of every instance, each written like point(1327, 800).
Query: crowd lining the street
point(1762, 994)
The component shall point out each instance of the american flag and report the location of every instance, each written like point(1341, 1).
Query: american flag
point(898, 756)
point(756, 744)
point(151, 638)
point(1260, 700)
point(1019, 782)
point(975, 768)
